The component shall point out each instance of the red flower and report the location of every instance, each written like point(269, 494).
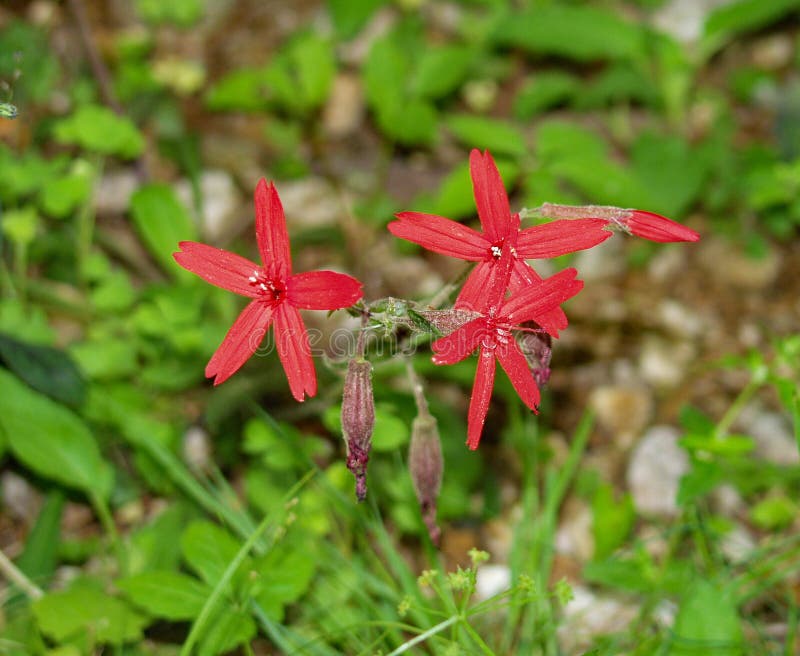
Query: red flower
point(500, 227)
point(492, 333)
point(277, 295)
point(655, 227)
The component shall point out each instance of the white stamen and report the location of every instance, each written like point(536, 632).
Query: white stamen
point(496, 251)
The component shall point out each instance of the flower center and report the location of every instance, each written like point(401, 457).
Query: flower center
point(270, 289)
point(497, 333)
point(496, 250)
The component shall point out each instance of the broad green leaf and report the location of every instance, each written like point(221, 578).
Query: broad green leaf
point(774, 512)
point(46, 369)
point(670, 170)
point(313, 64)
point(545, 90)
point(455, 199)
point(106, 359)
point(732, 19)
point(385, 72)
point(390, 432)
point(260, 438)
point(171, 595)
point(612, 521)
point(84, 608)
point(409, 122)
point(38, 560)
point(230, 627)
point(440, 70)
point(20, 225)
point(183, 13)
point(100, 130)
point(239, 90)
point(577, 32)
point(349, 16)
point(51, 440)
point(156, 545)
point(62, 195)
point(622, 83)
point(557, 140)
point(162, 221)
point(25, 173)
point(284, 575)
point(707, 623)
point(114, 293)
point(500, 137)
point(208, 549)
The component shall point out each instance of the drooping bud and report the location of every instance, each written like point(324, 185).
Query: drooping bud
point(647, 225)
point(426, 466)
point(537, 347)
point(358, 420)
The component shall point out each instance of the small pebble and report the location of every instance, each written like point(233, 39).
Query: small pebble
point(655, 470)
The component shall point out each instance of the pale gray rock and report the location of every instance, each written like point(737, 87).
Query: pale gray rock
point(221, 202)
point(491, 579)
point(112, 193)
point(344, 112)
point(655, 470)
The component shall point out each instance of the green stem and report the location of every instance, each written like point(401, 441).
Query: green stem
point(210, 606)
point(15, 575)
point(724, 424)
point(422, 637)
point(107, 521)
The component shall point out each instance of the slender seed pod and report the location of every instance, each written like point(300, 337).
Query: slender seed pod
point(358, 420)
point(426, 466)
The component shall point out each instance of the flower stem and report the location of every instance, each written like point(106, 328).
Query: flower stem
point(15, 575)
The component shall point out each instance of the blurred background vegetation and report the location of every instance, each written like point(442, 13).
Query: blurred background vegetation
point(651, 508)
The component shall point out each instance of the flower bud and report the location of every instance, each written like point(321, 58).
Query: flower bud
point(658, 228)
point(358, 420)
point(426, 465)
point(536, 346)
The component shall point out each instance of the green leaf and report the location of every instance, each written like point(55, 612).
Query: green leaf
point(183, 13)
point(612, 521)
point(707, 623)
point(730, 20)
point(162, 221)
point(410, 122)
point(39, 558)
point(208, 549)
point(500, 137)
point(390, 431)
point(20, 225)
point(547, 89)
point(62, 195)
point(26, 59)
point(156, 545)
point(580, 33)
point(441, 70)
point(454, 198)
point(285, 574)
point(349, 16)
point(774, 512)
point(114, 293)
point(51, 440)
point(46, 369)
point(231, 627)
point(100, 130)
point(106, 359)
point(240, 90)
point(85, 609)
point(166, 594)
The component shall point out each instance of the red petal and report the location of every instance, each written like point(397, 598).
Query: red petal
point(486, 286)
point(460, 343)
point(522, 276)
point(294, 351)
point(440, 235)
point(490, 196)
point(323, 290)
point(658, 228)
point(481, 394)
point(273, 240)
point(561, 237)
point(516, 366)
point(538, 299)
point(241, 341)
point(473, 293)
point(221, 268)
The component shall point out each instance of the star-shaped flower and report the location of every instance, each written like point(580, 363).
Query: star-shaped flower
point(500, 228)
point(276, 295)
point(492, 332)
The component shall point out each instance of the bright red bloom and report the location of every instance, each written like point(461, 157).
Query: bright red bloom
point(500, 228)
point(655, 227)
point(277, 295)
point(492, 333)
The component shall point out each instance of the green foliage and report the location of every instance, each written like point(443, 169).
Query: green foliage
point(99, 130)
point(582, 33)
point(707, 622)
point(51, 440)
point(183, 13)
point(162, 221)
point(612, 521)
point(730, 20)
point(26, 61)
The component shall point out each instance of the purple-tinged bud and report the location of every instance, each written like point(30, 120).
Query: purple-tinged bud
point(426, 466)
point(358, 420)
point(537, 347)
point(448, 321)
